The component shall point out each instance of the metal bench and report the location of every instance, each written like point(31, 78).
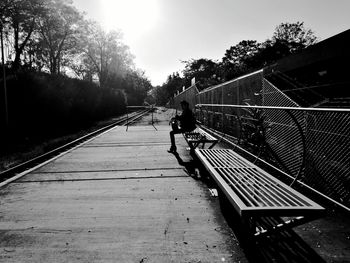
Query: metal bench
point(199, 136)
point(255, 194)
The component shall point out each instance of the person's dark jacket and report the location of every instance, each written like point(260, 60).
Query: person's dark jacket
point(187, 120)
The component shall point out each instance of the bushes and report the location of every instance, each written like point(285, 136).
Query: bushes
point(41, 104)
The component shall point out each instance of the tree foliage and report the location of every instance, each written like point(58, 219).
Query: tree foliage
point(53, 36)
point(241, 53)
point(294, 35)
point(51, 104)
point(63, 71)
point(172, 85)
point(203, 70)
point(58, 27)
point(239, 59)
point(104, 53)
point(20, 18)
point(136, 87)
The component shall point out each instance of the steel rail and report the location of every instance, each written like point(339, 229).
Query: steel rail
point(5, 175)
point(274, 108)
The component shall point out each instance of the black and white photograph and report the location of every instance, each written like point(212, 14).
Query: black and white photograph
point(174, 131)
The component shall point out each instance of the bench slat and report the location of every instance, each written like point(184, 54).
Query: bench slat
point(252, 189)
point(230, 159)
point(275, 193)
point(233, 165)
point(288, 198)
point(257, 186)
point(255, 193)
point(261, 192)
point(242, 192)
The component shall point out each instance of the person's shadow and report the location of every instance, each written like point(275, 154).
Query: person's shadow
point(190, 166)
point(193, 169)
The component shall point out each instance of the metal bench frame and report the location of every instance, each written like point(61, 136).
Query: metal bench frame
point(255, 194)
point(199, 136)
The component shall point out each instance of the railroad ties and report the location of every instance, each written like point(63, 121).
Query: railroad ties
point(119, 197)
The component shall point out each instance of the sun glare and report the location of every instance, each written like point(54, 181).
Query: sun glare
point(133, 17)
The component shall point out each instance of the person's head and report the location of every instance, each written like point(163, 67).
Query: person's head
point(184, 105)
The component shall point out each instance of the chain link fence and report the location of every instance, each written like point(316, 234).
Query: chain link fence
point(327, 136)
point(284, 129)
point(189, 95)
point(310, 144)
point(317, 152)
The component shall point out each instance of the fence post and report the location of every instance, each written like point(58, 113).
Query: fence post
point(127, 118)
point(152, 112)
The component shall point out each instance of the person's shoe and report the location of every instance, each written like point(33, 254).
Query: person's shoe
point(172, 149)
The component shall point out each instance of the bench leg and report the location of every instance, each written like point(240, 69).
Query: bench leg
point(213, 144)
point(245, 231)
point(195, 145)
point(289, 224)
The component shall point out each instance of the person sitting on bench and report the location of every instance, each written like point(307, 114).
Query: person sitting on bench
point(187, 124)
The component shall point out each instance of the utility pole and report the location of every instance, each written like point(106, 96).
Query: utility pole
point(4, 75)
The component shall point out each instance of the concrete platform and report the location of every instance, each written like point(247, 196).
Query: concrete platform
point(117, 198)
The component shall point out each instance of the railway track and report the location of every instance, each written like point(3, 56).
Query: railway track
point(12, 173)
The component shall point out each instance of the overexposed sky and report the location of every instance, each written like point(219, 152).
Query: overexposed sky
point(162, 33)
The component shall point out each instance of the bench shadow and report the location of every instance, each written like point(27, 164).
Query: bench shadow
point(285, 246)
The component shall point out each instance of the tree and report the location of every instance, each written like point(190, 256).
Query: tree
point(82, 67)
point(241, 52)
point(4, 11)
point(104, 52)
point(136, 86)
point(58, 28)
point(160, 95)
point(21, 16)
point(174, 83)
point(239, 59)
point(166, 91)
point(249, 55)
point(294, 35)
point(205, 71)
point(269, 52)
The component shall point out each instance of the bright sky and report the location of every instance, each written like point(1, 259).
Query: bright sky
point(162, 33)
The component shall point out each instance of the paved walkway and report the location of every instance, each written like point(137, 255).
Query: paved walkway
point(117, 198)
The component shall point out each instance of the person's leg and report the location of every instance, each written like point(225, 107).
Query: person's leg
point(172, 140)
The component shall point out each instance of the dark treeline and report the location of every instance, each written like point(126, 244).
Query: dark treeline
point(62, 70)
point(240, 59)
point(53, 104)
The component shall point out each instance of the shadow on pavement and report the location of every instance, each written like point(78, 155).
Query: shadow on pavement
point(285, 246)
point(189, 166)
